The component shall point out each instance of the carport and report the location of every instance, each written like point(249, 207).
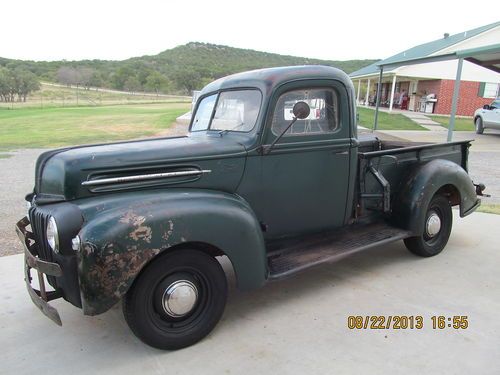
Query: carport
point(487, 57)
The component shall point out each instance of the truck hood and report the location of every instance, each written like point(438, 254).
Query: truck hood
point(200, 162)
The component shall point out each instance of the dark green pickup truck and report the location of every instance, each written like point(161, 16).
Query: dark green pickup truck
point(272, 175)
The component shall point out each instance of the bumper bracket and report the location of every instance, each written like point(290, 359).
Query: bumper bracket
point(39, 297)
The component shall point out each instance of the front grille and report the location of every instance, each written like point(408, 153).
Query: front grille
point(39, 220)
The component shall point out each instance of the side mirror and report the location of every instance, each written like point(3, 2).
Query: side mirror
point(301, 110)
point(486, 106)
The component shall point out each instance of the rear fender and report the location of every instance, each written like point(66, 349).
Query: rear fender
point(410, 205)
point(124, 232)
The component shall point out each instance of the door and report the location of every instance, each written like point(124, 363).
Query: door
point(494, 114)
point(305, 176)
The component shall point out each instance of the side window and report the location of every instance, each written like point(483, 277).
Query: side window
point(324, 116)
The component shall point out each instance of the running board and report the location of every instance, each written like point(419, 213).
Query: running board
point(287, 257)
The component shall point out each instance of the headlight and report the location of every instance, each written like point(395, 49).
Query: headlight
point(52, 235)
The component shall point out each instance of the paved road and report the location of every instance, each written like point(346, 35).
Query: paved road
point(295, 326)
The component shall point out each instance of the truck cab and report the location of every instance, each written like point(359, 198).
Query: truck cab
point(294, 188)
point(272, 175)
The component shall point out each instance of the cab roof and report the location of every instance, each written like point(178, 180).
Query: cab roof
point(268, 79)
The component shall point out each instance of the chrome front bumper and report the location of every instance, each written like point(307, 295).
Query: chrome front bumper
point(31, 261)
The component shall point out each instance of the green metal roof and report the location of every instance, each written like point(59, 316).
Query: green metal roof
point(423, 50)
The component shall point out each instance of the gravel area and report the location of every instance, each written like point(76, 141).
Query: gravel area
point(484, 166)
point(17, 176)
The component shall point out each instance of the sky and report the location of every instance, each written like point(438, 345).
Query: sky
point(334, 30)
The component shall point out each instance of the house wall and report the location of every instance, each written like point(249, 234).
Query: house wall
point(429, 87)
point(468, 99)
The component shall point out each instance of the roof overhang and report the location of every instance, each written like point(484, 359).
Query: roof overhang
point(487, 57)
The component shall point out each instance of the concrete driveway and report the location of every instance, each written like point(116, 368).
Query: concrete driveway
point(295, 326)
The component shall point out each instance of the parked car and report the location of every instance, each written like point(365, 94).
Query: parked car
point(487, 117)
point(144, 221)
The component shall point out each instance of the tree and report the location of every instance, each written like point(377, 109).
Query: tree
point(19, 81)
point(187, 80)
point(120, 76)
point(156, 82)
point(27, 82)
point(132, 84)
point(96, 80)
point(67, 75)
point(85, 77)
point(6, 85)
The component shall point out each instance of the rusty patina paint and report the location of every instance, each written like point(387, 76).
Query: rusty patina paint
point(106, 275)
point(139, 230)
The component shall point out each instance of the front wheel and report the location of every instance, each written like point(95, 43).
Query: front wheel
point(437, 229)
point(478, 123)
point(177, 300)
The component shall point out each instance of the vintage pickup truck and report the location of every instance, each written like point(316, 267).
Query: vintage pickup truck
point(272, 175)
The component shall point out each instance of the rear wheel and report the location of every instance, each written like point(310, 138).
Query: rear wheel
point(478, 123)
point(437, 228)
point(177, 300)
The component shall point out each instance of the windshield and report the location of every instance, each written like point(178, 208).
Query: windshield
point(235, 111)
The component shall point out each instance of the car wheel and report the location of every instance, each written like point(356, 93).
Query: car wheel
point(478, 122)
point(177, 300)
point(438, 221)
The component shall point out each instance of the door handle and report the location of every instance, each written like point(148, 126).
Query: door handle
point(340, 152)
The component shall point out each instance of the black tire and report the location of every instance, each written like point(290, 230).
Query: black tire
point(478, 124)
point(426, 245)
point(145, 310)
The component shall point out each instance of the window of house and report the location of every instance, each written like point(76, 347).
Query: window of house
point(323, 118)
point(488, 90)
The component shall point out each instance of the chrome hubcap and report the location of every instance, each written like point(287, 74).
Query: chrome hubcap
point(433, 225)
point(180, 298)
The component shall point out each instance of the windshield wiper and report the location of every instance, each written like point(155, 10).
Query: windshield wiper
point(222, 132)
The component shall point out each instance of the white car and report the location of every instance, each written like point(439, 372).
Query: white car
point(487, 117)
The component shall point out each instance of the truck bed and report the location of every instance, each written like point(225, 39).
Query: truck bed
point(384, 165)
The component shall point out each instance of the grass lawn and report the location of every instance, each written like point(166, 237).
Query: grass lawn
point(489, 208)
point(53, 127)
point(386, 121)
point(461, 124)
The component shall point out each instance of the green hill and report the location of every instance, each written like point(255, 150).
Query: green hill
point(177, 70)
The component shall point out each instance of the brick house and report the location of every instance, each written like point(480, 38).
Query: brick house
point(429, 87)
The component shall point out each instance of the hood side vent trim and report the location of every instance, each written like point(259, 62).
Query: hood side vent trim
point(143, 177)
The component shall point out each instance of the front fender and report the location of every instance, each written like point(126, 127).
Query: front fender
point(124, 232)
point(410, 205)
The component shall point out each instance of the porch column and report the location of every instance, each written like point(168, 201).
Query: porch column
point(359, 91)
point(393, 88)
point(454, 102)
point(367, 96)
point(379, 92)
